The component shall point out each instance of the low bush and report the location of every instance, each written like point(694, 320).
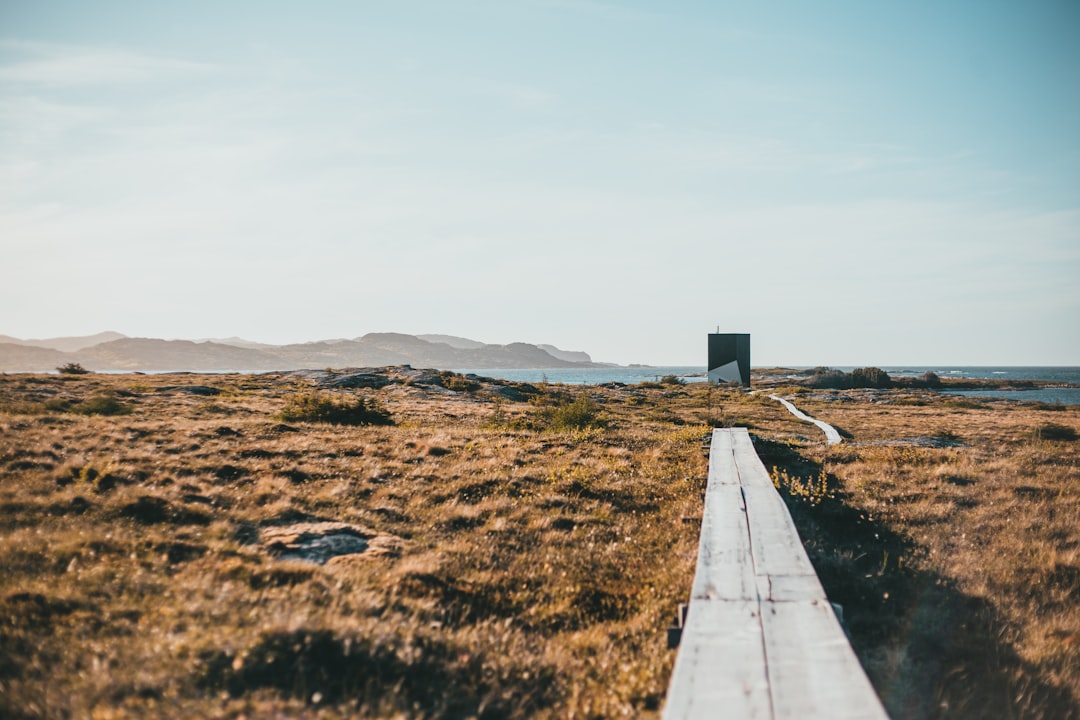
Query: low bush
point(827, 378)
point(579, 414)
point(325, 408)
point(1053, 431)
point(869, 377)
point(458, 383)
point(97, 405)
point(72, 368)
point(101, 405)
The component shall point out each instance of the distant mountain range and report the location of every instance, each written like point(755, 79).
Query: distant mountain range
point(114, 351)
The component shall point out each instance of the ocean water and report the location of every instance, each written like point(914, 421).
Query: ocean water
point(1051, 396)
point(593, 376)
point(631, 375)
point(1070, 375)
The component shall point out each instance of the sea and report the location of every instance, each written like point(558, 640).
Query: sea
point(1063, 376)
point(593, 375)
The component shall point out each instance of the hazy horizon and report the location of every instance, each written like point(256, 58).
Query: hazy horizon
point(851, 183)
point(699, 363)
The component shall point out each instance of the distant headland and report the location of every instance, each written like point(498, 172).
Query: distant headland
point(112, 351)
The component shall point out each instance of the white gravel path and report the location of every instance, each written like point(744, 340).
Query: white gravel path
point(832, 437)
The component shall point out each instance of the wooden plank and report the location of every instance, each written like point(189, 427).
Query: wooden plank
point(813, 672)
point(720, 670)
point(761, 639)
point(774, 542)
point(722, 468)
point(724, 567)
point(790, 588)
point(752, 472)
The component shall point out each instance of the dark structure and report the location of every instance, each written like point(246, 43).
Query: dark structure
point(729, 358)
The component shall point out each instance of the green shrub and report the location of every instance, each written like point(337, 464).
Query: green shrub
point(72, 368)
point(827, 378)
point(56, 405)
point(457, 383)
point(99, 405)
point(672, 380)
point(869, 377)
point(580, 414)
point(324, 408)
point(1053, 431)
point(498, 413)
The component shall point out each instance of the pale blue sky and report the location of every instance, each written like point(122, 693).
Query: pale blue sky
point(850, 182)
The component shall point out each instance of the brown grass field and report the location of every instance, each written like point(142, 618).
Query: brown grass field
point(210, 546)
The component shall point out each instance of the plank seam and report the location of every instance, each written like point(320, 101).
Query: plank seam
point(759, 603)
point(757, 595)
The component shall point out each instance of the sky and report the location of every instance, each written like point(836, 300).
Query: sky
point(852, 183)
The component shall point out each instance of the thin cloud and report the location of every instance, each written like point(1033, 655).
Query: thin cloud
point(46, 64)
point(519, 95)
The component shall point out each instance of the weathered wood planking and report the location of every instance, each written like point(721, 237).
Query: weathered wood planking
point(761, 639)
point(832, 435)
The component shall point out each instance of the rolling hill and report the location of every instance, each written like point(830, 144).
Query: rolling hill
point(115, 352)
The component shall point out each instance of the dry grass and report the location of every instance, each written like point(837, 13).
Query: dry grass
point(509, 572)
point(507, 569)
point(950, 535)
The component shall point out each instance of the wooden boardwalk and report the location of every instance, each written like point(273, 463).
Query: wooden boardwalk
point(760, 639)
point(832, 435)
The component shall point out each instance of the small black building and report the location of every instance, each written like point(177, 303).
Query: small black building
point(729, 358)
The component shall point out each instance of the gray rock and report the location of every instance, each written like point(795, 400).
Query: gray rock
point(191, 389)
point(360, 380)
